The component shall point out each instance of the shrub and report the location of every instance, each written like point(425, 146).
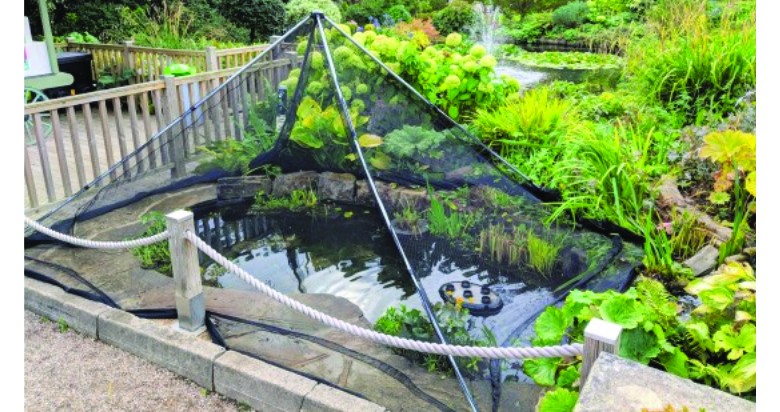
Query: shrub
point(297, 10)
point(570, 15)
point(408, 30)
point(458, 16)
point(531, 27)
point(399, 13)
point(695, 67)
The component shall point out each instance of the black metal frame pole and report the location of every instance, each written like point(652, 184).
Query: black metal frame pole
point(420, 289)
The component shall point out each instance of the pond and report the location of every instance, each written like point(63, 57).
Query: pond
point(532, 76)
point(355, 258)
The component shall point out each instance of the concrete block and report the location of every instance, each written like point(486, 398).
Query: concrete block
point(328, 399)
point(181, 353)
point(617, 385)
point(56, 304)
point(261, 385)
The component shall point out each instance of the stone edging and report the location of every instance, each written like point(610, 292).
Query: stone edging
point(232, 374)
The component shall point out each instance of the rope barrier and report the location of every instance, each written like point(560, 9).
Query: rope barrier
point(394, 341)
point(96, 244)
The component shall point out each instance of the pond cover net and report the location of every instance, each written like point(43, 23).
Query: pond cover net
point(316, 109)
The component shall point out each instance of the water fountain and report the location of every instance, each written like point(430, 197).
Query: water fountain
point(486, 31)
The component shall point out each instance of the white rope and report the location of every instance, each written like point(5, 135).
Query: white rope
point(394, 341)
point(96, 244)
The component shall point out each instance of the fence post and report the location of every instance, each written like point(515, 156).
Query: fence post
point(128, 62)
point(212, 62)
point(600, 336)
point(175, 140)
point(190, 303)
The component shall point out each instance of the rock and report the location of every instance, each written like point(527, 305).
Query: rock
point(285, 184)
point(574, 261)
point(749, 251)
point(339, 187)
point(416, 198)
point(720, 232)
point(669, 195)
point(736, 258)
point(703, 261)
point(363, 194)
point(617, 384)
point(235, 188)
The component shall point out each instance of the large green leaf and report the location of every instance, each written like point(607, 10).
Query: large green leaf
point(568, 376)
point(718, 298)
point(639, 345)
point(550, 326)
point(675, 362)
point(542, 370)
point(559, 400)
point(742, 376)
point(621, 310)
point(736, 344)
point(306, 140)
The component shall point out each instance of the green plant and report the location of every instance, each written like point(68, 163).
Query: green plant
point(452, 224)
point(399, 13)
point(558, 400)
point(457, 16)
point(502, 247)
point(570, 15)
point(234, 156)
point(297, 10)
point(735, 152)
point(62, 325)
point(108, 79)
point(410, 220)
point(542, 253)
point(298, 199)
point(531, 27)
point(157, 255)
point(659, 254)
point(691, 65)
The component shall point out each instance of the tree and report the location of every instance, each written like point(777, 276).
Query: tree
point(263, 18)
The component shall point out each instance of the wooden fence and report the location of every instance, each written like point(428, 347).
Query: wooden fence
point(73, 140)
point(148, 63)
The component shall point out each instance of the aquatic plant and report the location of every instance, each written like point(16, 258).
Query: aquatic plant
point(155, 256)
point(233, 155)
point(297, 200)
point(659, 254)
point(502, 247)
point(452, 225)
point(410, 220)
point(568, 60)
point(542, 253)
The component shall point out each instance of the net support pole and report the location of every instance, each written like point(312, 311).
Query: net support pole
point(190, 302)
point(600, 336)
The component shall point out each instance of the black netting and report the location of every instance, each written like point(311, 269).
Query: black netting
point(365, 193)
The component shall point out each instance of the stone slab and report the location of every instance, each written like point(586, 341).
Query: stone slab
point(339, 187)
point(183, 354)
point(703, 261)
point(262, 386)
point(328, 399)
point(619, 385)
point(284, 185)
point(56, 304)
point(242, 187)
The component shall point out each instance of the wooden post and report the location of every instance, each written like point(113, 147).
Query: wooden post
point(175, 138)
point(128, 58)
point(190, 303)
point(600, 336)
point(212, 62)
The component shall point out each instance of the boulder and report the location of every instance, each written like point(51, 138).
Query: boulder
point(363, 195)
point(242, 187)
point(703, 261)
point(339, 187)
point(286, 183)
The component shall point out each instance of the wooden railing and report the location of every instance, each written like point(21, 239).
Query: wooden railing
point(73, 140)
point(148, 62)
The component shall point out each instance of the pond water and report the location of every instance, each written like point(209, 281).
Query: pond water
point(355, 258)
point(531, 76)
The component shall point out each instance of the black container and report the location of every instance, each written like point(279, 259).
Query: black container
point(79, 65)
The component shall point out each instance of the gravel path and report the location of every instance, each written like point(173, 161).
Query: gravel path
point(71, 372)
